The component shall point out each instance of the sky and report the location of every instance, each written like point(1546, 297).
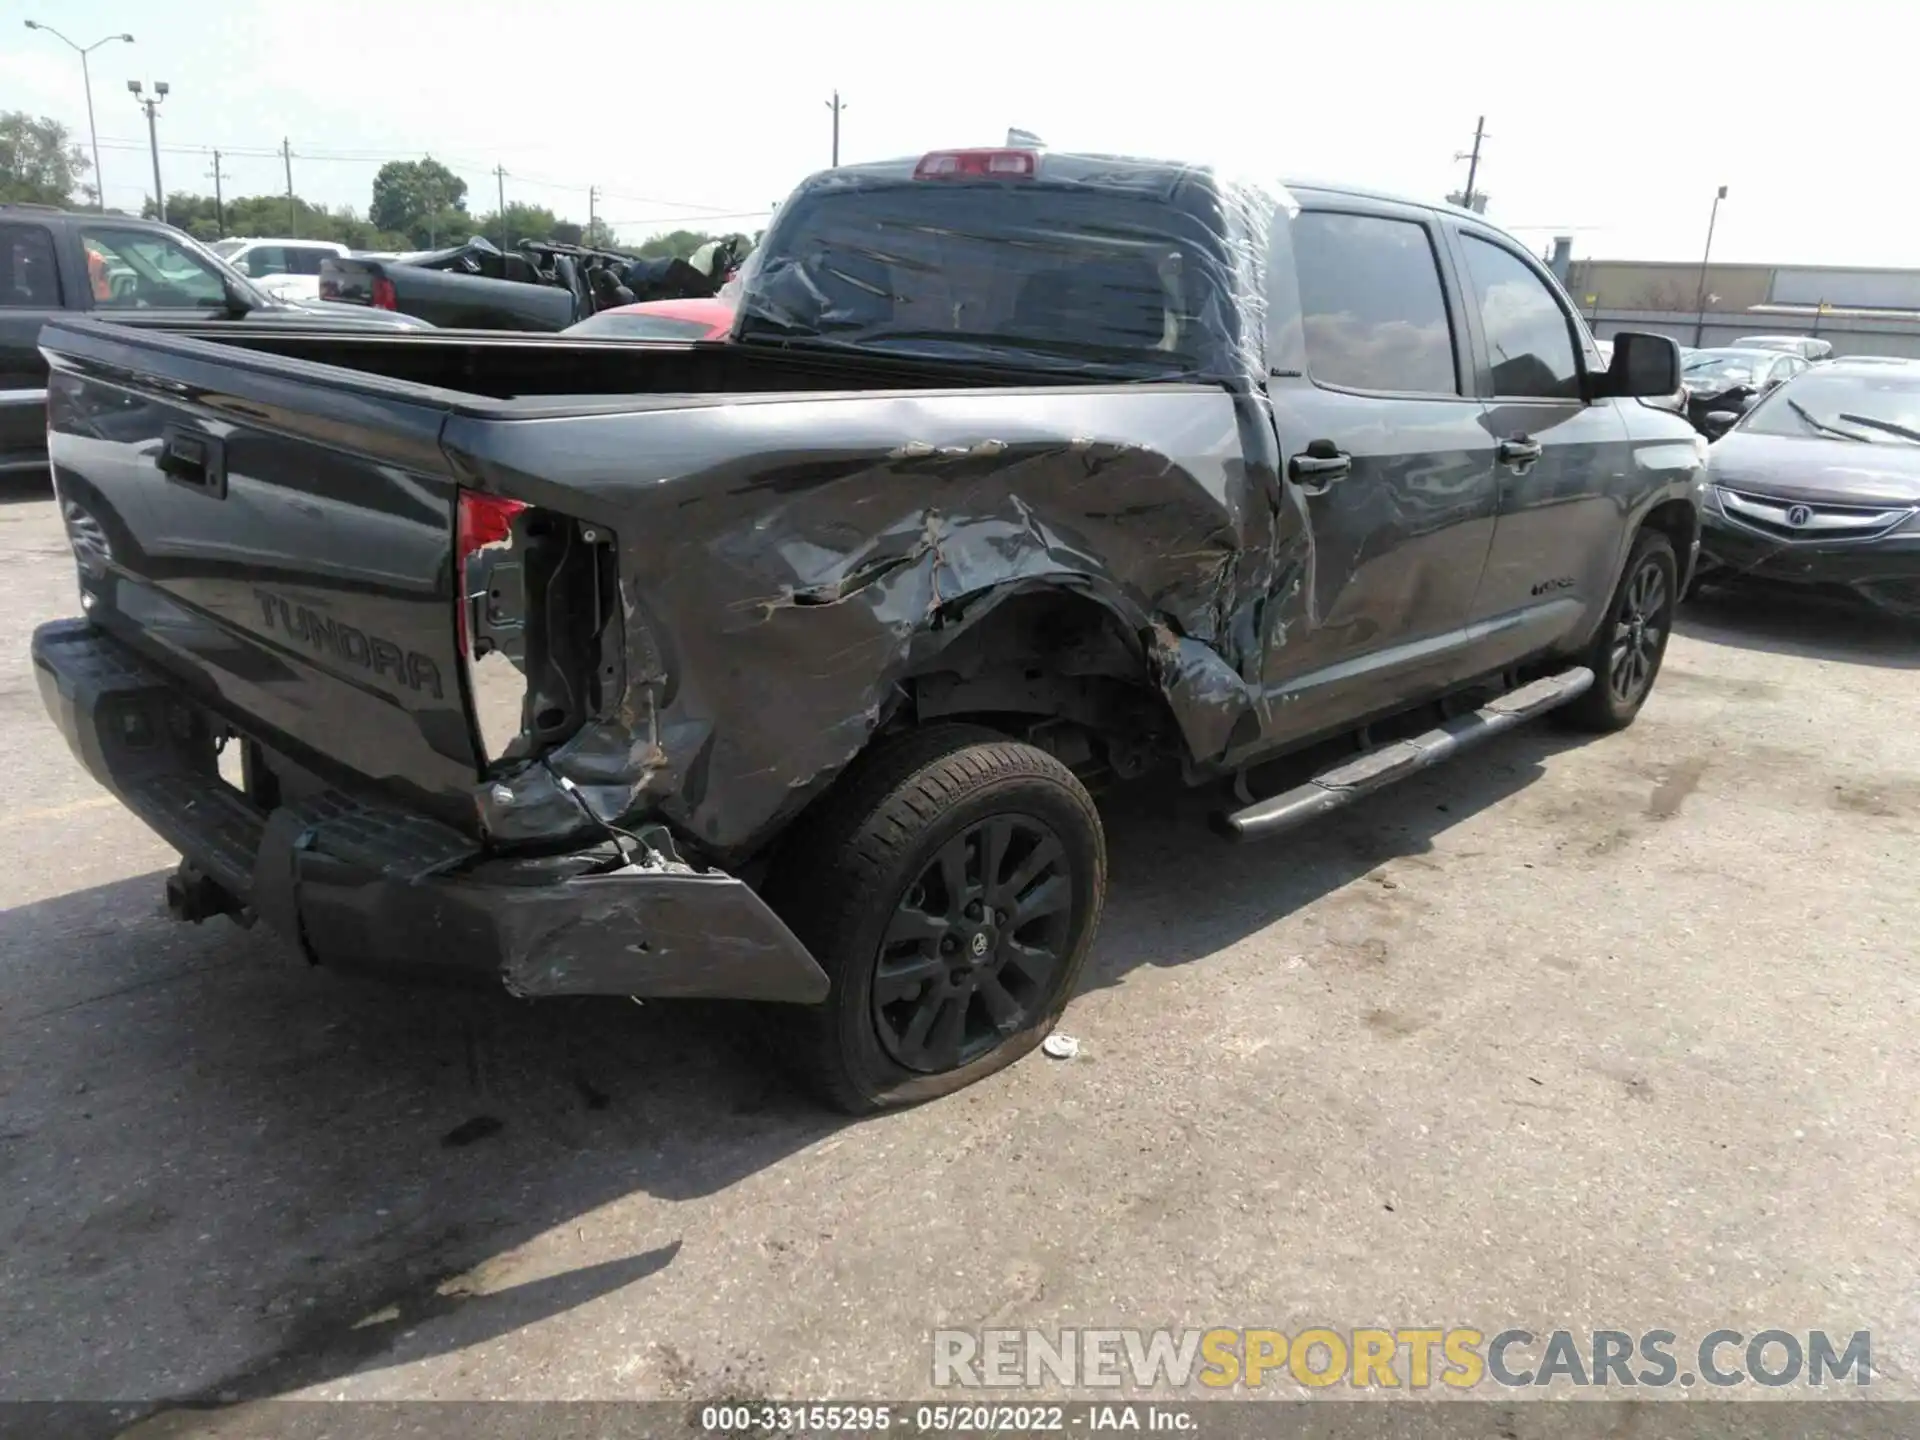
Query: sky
point(1613, 122)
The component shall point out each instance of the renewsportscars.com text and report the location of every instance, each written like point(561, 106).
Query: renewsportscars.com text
point(1410, 1358)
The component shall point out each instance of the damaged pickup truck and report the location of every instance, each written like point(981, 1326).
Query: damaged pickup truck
point(779, 669)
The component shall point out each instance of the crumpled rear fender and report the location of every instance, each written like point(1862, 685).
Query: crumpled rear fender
point(785, 562)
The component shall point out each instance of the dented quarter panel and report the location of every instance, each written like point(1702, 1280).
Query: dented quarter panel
point(790, 562)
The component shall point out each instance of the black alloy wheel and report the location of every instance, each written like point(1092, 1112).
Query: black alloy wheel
point(1630, 642)
point(975, 945)
point(950, 885)
point(1640, 630)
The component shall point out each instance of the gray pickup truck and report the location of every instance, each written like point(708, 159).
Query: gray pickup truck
point(779, 669)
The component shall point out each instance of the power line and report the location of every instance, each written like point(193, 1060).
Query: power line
point(672, 219)
point(374, 157)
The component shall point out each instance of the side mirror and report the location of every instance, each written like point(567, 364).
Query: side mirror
point(1716, 423)
point(1644, 366)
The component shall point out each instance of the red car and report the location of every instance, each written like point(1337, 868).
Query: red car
point(660, 320)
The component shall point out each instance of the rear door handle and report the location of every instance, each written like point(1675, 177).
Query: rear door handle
point(195, 460)
point(1319, 465)
point(1519, 451)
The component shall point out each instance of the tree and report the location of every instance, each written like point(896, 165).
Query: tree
point(261, 215)
point(39, 164)
point(523, 222)
point(422, 199)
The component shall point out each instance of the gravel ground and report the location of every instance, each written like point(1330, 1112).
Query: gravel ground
point(1566, 1035)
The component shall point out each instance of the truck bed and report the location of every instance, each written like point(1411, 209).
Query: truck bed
point(276, 520)
point(596, 373)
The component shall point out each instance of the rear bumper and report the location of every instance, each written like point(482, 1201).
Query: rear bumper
point(365, 885)
point(1884, 572)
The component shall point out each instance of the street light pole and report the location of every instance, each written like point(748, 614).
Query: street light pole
point(86, 78)
point(152, 107)
point(1700, 319)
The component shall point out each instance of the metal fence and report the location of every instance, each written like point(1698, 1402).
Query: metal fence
point(1849, 334)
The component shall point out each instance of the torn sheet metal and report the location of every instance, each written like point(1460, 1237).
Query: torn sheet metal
point(786, 567)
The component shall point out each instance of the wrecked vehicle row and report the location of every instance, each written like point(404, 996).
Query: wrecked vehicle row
point(536, 286)
point(781, 670)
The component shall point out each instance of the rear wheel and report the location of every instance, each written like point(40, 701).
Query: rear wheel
point(1628, 648)
point(950, 890)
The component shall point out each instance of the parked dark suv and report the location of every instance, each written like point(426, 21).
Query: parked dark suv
point(137, 272)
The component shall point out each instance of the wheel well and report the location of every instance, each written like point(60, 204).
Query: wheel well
point(1058, 668)
point(1677, 521)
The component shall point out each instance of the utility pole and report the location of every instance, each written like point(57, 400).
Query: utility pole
point(286, 155)
point(1472, 157)
point(836, 105)
point(500, 179)
point(219, 199)
point(1700, 318)
point(86, 78)
point(593, 194)
point(152, 107)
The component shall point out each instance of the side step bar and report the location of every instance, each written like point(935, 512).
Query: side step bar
point(1378, 769)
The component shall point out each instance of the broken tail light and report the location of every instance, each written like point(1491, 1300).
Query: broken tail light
point(489, 605)
point(383, 296)
point(481, 521)
point(977, 165)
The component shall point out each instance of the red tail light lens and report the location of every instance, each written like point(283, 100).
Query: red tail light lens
point(977, 165)
point(383, 296)
point(485, 520)
point(480, 521)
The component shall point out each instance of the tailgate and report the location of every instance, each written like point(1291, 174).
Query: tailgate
point(278, 536)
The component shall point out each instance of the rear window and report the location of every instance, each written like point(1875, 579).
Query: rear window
point(1015, 274)
point(641, 327)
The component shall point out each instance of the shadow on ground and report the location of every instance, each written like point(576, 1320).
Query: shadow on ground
point(25, 485)
point(1809, 624)
point(229, 1176)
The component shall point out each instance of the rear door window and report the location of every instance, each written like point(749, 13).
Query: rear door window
point(1529, 337)
point(1372, 303)
point(29, 279)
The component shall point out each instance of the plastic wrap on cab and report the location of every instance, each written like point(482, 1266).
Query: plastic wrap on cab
point(1111, 267)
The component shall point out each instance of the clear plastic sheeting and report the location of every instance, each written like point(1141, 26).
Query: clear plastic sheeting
point(1113, 267)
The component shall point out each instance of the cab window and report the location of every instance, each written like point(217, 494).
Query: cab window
point(263, 260)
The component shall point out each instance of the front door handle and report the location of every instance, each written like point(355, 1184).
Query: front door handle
point(1519, 451)
point(1319, 465)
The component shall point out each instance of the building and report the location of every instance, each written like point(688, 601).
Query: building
point(1862, 311)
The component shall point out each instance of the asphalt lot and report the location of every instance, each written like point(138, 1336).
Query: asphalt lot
point(1565, 1035)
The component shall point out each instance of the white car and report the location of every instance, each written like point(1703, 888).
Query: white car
point(286, 269)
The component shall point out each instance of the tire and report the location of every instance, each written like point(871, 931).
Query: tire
point(880, 859)
point(1631, 640)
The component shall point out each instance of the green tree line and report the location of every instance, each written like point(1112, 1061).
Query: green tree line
point(415, 204)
